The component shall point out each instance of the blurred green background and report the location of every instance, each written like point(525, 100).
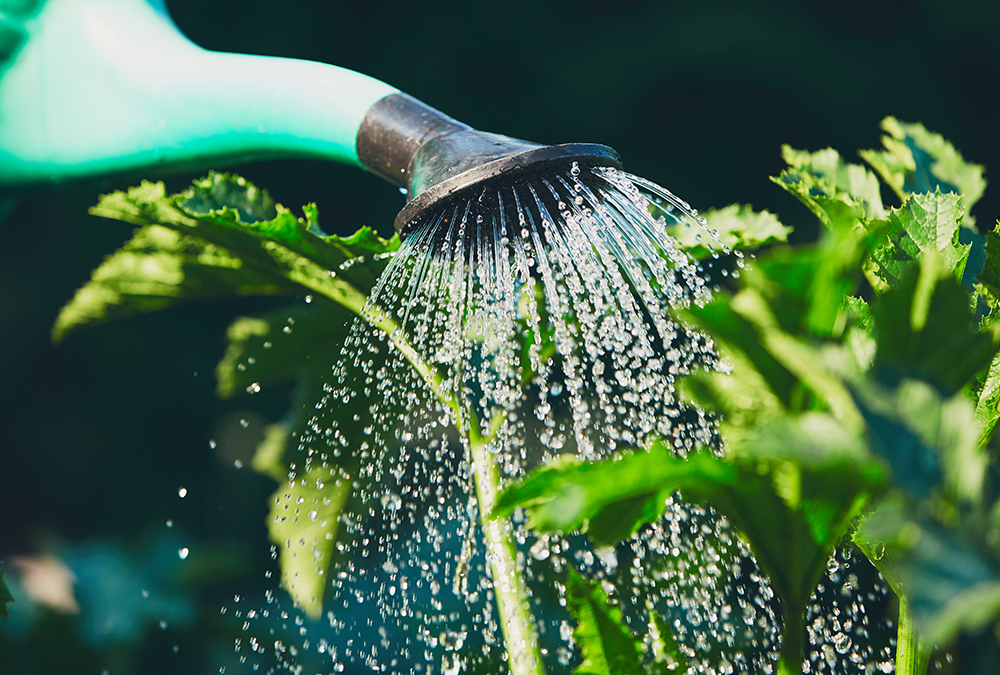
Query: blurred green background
point(100, 433)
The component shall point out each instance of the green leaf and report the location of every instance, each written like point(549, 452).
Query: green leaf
point(154, 270)
point(926, 224)
point(932, 220)
point(316, 470)
point(667, 655)
point(930, 443)
point(916, 161)
point(755, 386)
point(281, 346)
point(988, 403)
point(800, 358)
point(303, 521)
point(5, 597)
point(794, 486)
point(607, 646)
point(320, 453)
point(828, 179)
point(317, 465)
point(222, 236)
point(772, 370)
point(737, 227)
point(858, 336)
point(989, 279)
point(950, 586)
point(926, 329)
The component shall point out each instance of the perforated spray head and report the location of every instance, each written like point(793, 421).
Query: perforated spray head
point(438, 159)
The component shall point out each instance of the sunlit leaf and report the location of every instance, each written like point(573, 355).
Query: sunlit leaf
point(299, 343)
point(157, 268)
point(916, 161)
point(988, 402)
point(798, 357)
point(223, 236)
point(316, 473)
point(607, 646)
point(858, 336)
point(926, 224)
point(930, 443)
point(667, 655)
point(825, 172)
point(303, 521)
point(925, 328)
point(737, 227)
point(806, 286)
point(755, 385)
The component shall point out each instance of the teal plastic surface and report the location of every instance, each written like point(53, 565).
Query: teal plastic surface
point(108, 87)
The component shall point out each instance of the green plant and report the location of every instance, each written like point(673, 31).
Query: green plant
point(860, 404)
point(861, 400)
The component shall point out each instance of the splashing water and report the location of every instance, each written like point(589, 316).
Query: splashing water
point(526, 322)
point(543, 308)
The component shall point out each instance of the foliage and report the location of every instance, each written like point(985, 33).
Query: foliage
point(838, 399)
point(607, 647)
point(737, 227)
point(857, 396)
point(917, 161)
point(224, 236)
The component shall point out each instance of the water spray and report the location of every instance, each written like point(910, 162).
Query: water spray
point(505, 242)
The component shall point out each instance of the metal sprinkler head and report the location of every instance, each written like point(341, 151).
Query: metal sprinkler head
point(438, 159)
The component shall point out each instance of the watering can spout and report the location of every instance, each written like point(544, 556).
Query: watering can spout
point(111, 87)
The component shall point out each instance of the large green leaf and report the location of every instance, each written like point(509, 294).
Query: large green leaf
point(950, 585)
point(820, 178)
point(924, 327)
point(223, 236)
point(988, 402)
point(916, 161)
point(315, 469)
point(791, 490)
point(155, 269)
point(303, 521)
point(317, 472)
point(607, 646)
point(930, 443)
point(806, 286)
point(737, 227)
point(926, 224)
point(755, 384)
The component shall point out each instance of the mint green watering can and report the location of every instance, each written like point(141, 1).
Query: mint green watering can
point(96, 88)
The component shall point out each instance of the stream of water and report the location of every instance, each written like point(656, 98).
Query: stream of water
point(520, 324)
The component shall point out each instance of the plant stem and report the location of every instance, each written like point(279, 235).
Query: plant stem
point(516, 621)
point(792, 640)
point(911, 657)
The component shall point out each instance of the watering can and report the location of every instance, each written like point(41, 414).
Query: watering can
point(96, 88)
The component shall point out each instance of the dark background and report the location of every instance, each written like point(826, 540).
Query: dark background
point(98, 434)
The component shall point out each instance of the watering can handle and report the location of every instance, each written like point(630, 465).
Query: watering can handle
point(111, 87)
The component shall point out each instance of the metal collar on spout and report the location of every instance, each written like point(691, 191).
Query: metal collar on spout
point(436, 158)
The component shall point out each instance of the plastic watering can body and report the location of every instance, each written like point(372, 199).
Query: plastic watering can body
point(111, 87)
